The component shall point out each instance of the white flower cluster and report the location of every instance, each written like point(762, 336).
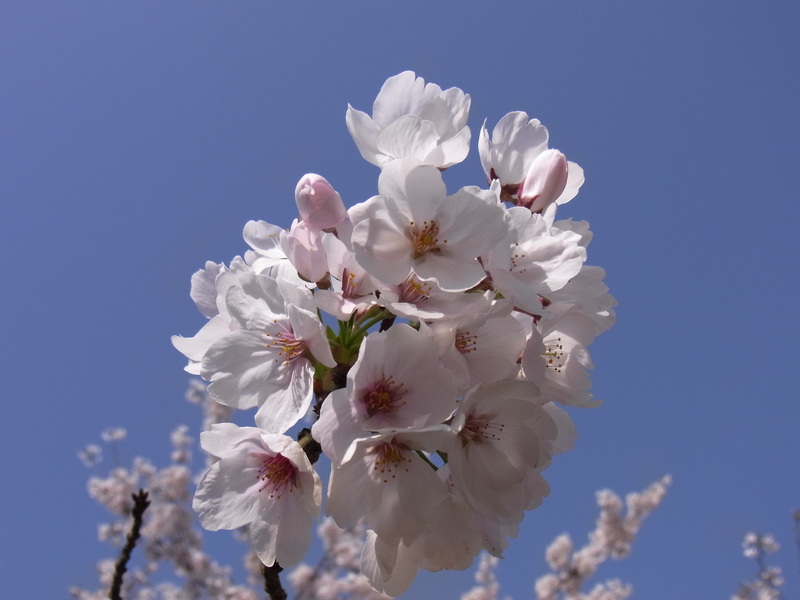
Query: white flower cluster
point(458, 323)
point(768, 580)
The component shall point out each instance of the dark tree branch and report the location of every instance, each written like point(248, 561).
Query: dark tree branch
point(272, 582)
point(140, 504)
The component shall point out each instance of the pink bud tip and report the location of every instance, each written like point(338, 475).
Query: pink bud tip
point(545, 181)
point(320, 206)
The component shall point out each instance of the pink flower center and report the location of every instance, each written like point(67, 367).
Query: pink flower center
point(388, 458)
point(349, 284)
point(425, 238)
point(466, 342)
point(554, 355)
point(384, 396)
point(288, 346)
point(279, 475)
point(480, 429)
point(414, 291)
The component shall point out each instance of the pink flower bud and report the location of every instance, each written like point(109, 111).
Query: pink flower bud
point(320, 205)
point(545, 181)
point(302, 245)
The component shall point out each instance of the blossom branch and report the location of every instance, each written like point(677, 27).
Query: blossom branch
point(140, 504)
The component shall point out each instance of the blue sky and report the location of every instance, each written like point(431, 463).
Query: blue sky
point(136, 139)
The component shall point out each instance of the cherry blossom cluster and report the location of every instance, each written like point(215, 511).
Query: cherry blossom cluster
point(768, 581)
point(169, 536)
point(434, 336)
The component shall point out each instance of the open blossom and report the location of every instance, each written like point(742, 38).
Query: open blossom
point(382, 479)
point(412, 119)
point(396, 383)
point(517, 142)
point(556, 359)
point(264, 480)
point(414, 226)
point(505, 440)
point(267, 361)
point(352, 290)
point(535, 259)
point(482, 347)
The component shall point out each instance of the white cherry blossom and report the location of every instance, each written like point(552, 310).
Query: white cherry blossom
point(516, 141)
point(505, 439)
point(263, 480)
point(413, 225)
point(383, 480)
point(397, 382)
point(412, 119)
point(509, 155)
point(534, 259)
point(267, 362)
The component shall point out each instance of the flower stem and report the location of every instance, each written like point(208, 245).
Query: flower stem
point(272, 582)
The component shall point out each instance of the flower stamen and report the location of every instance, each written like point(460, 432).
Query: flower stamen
point(385, 396)
point(279, 474)
point(554, 355)
point(388, 458)
point(426, 238)
point(480, 429)
point(466, 342)
point(288, 346)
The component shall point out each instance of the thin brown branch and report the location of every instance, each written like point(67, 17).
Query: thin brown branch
point(140, 504)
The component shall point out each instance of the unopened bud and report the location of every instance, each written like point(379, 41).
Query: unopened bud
point(545, 181)
point(320, 206)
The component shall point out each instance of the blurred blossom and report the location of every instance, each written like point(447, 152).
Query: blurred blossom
point(113, 434)
point(91, 455)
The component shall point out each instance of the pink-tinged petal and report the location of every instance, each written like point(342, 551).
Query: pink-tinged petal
point(567, 434)
point(419, 187)
point(204, 289)
point(303, 247)
point(364, 133)
point(227, 496)
point(380, 246)
point(575, 179)
point(286, 399)
point(282, 533)
point(223, 439)
point(450, 274)
point(250, 312)
point(308, 328)
point(263, 237)
point(515, 143)
point(401, 94)
point(452, 151)
point(545, 180)
point(239, 365)
point(407, 137)
point(194, 348)
point(318, 203)
point(337, 426)
point(386, 566)
point(347, 502)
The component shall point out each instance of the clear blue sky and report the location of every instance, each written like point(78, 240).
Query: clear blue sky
point(137, 138)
